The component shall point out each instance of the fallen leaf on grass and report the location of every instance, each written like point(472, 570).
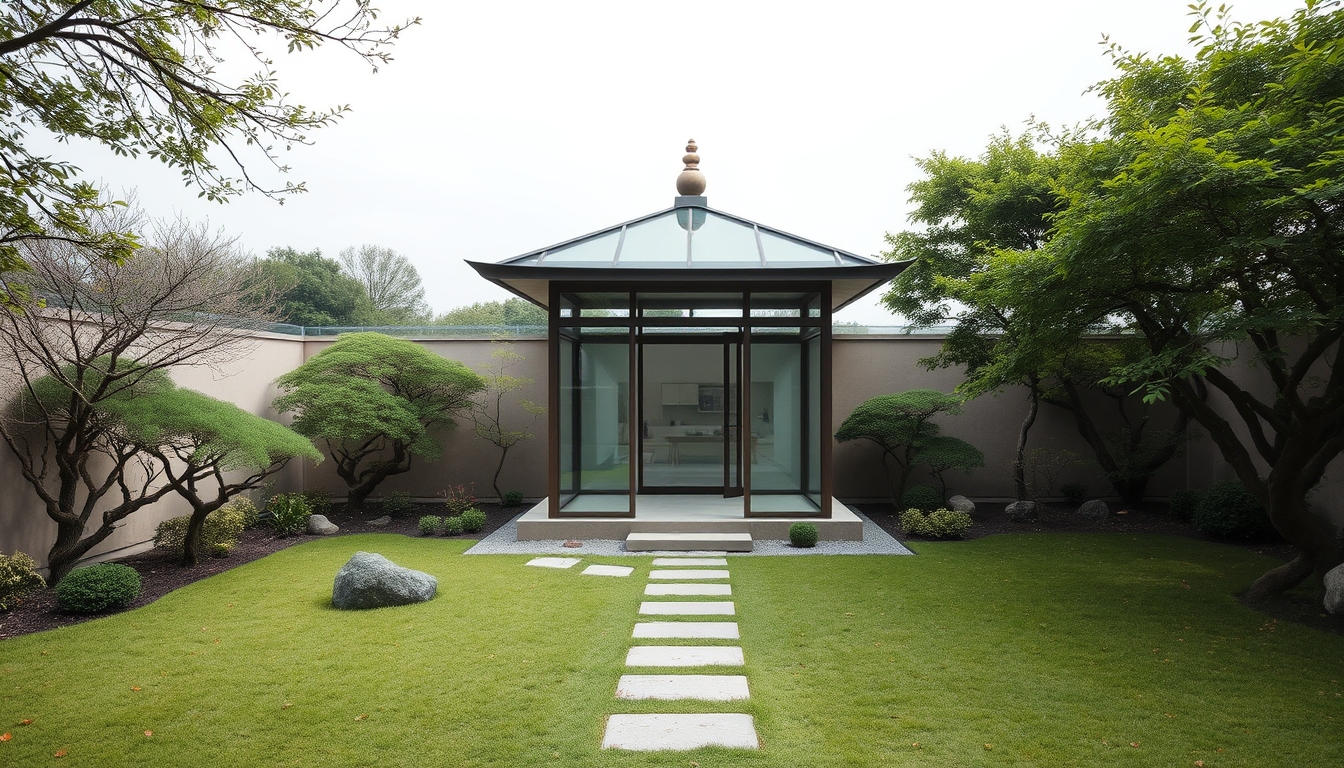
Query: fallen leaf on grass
point(915, 744)
point(286, 705)
point(362, 717)
point(1199, 764)
point(26, 721)
point(1134, 744)
point(989, 746)
point(60, 753)
point(6, 736)
point(135, 687)
point(149, 733)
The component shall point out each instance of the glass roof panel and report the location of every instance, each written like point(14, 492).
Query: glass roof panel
point(601, 249)
point(781, 251)
point(659, 242)
point(850, 260)
point(723, 240)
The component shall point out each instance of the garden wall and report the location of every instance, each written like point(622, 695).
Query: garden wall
point(865, 366)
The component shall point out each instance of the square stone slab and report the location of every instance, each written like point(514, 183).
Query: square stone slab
point(687, 575)
point(673, 687)
point(646, 733)
point(687, 589)
point(690, 561)
point(698, 630)
point(684, 656)
point(553, 562)
point(701, 608)
point(607, 570)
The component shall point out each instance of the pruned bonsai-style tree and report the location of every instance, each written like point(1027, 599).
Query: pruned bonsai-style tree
point(902, 426)
point(487, 413)
point(204, 449)
point(376, 402)
point(92, 329)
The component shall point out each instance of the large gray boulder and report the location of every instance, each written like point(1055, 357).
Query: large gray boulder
point(1334, 589)
point(1022, 511)
point(319, 525)
point(370, 580)
point(1095, 509)
point(961, 504)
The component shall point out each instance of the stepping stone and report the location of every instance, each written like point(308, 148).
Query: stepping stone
point(553, 562)
point(700, 630)
point(673, 687)
point(688, 575)
point(689, 561)
point(684, 656)
point(688, 589)
point(702, 608)
point(647, 733)
point(607, 570)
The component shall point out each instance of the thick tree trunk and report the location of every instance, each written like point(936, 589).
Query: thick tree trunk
point(494, 483)
point(362, 484)
point(70, 546)
point(1020, 463)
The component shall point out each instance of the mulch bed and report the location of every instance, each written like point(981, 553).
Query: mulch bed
point(161, 573)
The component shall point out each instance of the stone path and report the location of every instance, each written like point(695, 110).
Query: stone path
point(683, 577)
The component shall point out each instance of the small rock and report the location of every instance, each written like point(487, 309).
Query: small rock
point(961, 504)
point(384, 520)
point(1095, 509)
point(1022, 511)
point(1334, 589)
point(572, 544)
point(319, 525)
point(369, 580)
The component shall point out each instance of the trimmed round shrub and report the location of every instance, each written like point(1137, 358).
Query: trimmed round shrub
point(98, 588)
point(18, 577)
point(803, 535)
point(938, 524)
point(473, 520)
point(513, 498)
point(244, 507)
point(1229, 512)
point(924, 497)
point(430, 525)
point(289, 513)
point(397, 504)
point(453, 526)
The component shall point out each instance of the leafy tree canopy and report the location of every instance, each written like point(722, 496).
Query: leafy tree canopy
point(391, 282)
point(902, 425)
point(312, 290)
point(369, 394)
point(512, 311)
point(144, 77)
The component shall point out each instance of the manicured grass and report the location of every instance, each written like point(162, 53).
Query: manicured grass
point(1041, 650)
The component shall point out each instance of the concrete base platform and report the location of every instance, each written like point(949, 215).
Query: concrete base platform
point(684, 514)
point(639, 541)
point(648, 733)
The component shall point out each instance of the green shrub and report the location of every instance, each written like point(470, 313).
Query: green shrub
point(1074, 493)
point(513, 498)
point(453, 526)
point(319, 502)
point(97, 588)
point(458, 499)
point(397, 504)
point(245, 507)
point(803, 535)
point(938, 524)
point(430, 525)
point(473, 520)
point(1228, 511)
point(289, 513)
point(1181, 505)
point(924, 497)
point(18, 577)
point(219, 532)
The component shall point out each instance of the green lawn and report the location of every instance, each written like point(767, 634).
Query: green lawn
point(1047, 650)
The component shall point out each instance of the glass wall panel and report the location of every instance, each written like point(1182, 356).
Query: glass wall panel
point(776, 450)
point(684, 401)
point(594, 426)
point(814, 406)
point(569, 477)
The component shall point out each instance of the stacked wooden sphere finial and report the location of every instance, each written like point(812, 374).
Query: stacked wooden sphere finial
point(691, 182)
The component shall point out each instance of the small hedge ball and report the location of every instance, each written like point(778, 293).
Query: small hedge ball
point(98, 588)
point(453, 526)
point(803, 535)
point(473, 520)
point(430, 525)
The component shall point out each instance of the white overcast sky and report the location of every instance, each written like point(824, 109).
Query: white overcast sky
point(503, 127)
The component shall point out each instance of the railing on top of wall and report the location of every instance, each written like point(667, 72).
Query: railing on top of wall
point(539, 331)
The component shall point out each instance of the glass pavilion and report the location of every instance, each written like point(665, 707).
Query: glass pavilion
point(690, 353)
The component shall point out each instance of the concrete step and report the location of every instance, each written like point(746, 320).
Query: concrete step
point(687, 542)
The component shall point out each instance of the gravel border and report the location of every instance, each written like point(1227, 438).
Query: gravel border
point(504, 541)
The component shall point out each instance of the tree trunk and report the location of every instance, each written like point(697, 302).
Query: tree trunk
point(192, 544)
point(362, 482)
point(1020, 464)
point(70, 547)
point(494, 483)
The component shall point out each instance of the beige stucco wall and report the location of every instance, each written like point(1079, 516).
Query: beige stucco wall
point(864, 366)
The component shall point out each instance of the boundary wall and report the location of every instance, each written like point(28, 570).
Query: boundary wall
point(865, 366)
